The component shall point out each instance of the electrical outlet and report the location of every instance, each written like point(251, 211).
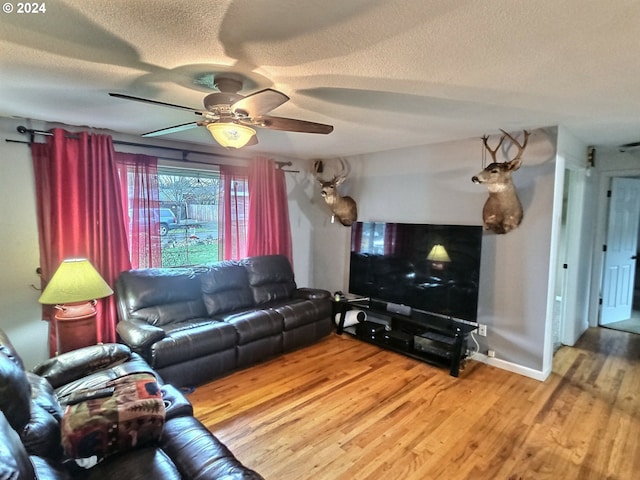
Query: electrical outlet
point(491, 353)
point(482, 330)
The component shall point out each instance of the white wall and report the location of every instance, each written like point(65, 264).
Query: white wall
point(432, 184)
point(301, 218)
point(576, 251)
point(20, 312)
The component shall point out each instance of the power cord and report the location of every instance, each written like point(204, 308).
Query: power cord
point(475, 341)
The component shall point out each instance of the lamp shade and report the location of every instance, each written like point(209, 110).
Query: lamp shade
point(231, 134)
point(438, 254)
point(75, 280)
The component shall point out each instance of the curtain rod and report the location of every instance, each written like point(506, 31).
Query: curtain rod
point(24, 130)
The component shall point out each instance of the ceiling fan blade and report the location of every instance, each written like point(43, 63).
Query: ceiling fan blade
point(174, 129)
point(252, 141)
point(259, 103)
point(154, 102)
point(291, 125)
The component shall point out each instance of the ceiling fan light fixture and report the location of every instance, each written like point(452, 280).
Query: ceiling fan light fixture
point(231, 134)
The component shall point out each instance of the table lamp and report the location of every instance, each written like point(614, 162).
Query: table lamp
point(73, 290)
point(438, 256)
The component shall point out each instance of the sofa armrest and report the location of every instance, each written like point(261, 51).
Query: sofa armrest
point(311, 293)
point(76, 364)
point(198, 454)
point(138, 334)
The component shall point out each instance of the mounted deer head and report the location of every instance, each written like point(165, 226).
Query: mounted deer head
point(502, 211)
point(343, 208)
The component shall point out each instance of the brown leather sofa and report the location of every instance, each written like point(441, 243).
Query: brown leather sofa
point(195, 324)
point(32, 405)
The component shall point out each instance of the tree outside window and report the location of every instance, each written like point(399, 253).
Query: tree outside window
point(191, 237)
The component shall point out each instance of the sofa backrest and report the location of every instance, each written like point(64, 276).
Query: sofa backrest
point(15, 393)
point(15, 390)
point(14, 460)
point(270, 278)
point(225, 288)
point(159, 296)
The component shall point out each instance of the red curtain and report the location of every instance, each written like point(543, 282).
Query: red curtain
point(233, 208)
point(356, 237)
point(268, 231)
point(397, 239)
point(80, 214)
point(139, 189)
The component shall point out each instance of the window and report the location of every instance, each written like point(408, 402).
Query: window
point(188, 214)
point(372, 240)
point(189, 226)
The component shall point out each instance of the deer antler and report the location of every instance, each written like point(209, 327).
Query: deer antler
point(515, 142)
point(317, 168)
point(340, 176)
point(493, 152)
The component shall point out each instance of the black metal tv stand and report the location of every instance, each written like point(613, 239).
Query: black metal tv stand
point(431, 338)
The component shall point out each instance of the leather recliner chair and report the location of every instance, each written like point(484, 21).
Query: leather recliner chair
point(32, 405)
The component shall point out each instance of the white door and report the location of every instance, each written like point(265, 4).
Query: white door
point(620, 256)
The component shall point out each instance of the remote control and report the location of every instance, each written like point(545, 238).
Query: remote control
point(85, 395)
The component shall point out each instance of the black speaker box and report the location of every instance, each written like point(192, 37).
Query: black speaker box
point(368, 329)
point(398, 339)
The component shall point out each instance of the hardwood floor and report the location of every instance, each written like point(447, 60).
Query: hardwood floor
point(344, 409)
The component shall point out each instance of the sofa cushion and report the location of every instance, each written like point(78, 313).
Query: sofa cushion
point(252, 325)
point(43, 395)
point(141, 464)
point(192, 339)
point(161, 296)
point(296, 313)
point(225, 288)
point(41, 436)
point(15, 393)
point(49, 469)
point(270, 277)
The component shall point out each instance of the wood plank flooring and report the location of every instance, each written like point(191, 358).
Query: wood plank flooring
point(344, 409)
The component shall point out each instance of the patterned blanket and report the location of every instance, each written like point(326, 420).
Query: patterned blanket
point(126, 413)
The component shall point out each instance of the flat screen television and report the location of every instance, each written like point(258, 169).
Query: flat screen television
point(430, 268)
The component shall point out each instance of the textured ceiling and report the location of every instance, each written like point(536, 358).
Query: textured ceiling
point(386, 73)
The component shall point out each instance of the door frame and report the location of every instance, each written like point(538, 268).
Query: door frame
point(620, 255)
point(600, 239)
point(573, 321)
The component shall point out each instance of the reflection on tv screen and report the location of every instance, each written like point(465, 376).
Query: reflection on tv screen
point(434, 268)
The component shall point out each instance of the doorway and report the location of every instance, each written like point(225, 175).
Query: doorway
point(620, 309)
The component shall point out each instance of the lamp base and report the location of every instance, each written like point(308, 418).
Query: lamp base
point(75, 326)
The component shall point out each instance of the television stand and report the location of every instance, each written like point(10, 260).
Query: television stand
point(430, 338)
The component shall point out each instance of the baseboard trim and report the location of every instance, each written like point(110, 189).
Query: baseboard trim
point(540, 375)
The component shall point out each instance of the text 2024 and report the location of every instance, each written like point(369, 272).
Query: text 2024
point(31, 7)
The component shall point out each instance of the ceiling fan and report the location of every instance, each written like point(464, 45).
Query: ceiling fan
point(230, 117)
